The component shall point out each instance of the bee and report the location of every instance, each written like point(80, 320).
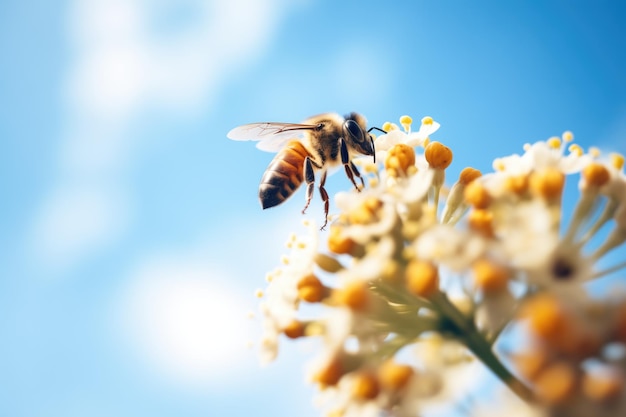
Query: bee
point(314, 146)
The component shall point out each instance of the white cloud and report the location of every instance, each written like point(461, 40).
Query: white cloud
point(185, 322)
point(76, 220)
point(124, 63)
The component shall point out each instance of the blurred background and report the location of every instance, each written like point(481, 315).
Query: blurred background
point(131, 237)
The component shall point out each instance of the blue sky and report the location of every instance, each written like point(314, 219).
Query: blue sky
point(132, 239)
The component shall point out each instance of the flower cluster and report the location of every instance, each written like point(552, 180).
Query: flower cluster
point(416, 282)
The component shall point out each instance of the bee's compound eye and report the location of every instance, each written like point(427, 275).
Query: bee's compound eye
point(354, 130)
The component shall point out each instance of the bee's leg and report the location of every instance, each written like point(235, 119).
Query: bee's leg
point(349, 166)
point(309, 178)
point(357, 173)
point(325, 198)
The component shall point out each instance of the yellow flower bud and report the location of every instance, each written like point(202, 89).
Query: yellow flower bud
point(438, 155)
point(422, 278)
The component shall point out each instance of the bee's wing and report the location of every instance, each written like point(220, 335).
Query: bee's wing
point(272, 136)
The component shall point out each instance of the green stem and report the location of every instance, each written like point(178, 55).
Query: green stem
point(468, 334)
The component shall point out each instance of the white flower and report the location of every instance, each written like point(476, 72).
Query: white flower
point(281, 297)
point(539, 156)
point(363, 233)
point(443, 244)
point(562, 266)
point(527, 233)
point(387, 141)
point(372, 266)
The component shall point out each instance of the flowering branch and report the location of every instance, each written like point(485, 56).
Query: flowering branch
point(417, 281)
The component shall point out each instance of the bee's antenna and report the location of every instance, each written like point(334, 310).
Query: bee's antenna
point(377, 128)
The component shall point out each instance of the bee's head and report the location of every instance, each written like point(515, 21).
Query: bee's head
point(356, 134)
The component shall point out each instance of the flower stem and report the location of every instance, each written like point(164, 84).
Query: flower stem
point(465, 330)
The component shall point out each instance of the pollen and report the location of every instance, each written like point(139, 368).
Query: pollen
point(595, 174)
point(477, 195)
point(406, 122)
point(617, 161)
point(489, 276)
point(554, 142)
point(367, 212)
point(311, 289)
point(422, 278)
point(567, 136)
point(548, 183)
point(595, 152)
point(365, 386)
point(259, 293)
point(370, 168)
point(393, 376)
point(576, 149)
point(387, 126)
point(399, 159)
point(499, 165)
point(438, 155)
point(427, 120)
point(468, 175)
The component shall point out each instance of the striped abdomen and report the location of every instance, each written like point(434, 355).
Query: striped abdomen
point(284, 175)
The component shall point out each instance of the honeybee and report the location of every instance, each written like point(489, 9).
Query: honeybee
point(304, 149)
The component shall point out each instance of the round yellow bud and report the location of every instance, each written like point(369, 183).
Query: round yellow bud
point(422, 278)
point(438, 155)
point(489, 276)
point(548, 183)
point(355, 295)
point(468, 175)
point(529, 364)
point(295, 329)
point(394, 376)
point(603, 386)
point(551, 322)
point(596, 174)
point(330, 373)
point(338, 242)
point(311, 289)
point(365, 386)
point(477, 195)
point(481, 220)
point(556, 383)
